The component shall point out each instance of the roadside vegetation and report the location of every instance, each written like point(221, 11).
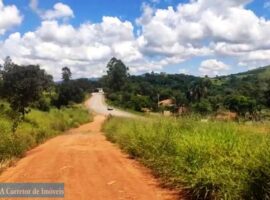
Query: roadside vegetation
point(33, 108)
point(217, 144)
point(208, 160)
point(37, 127)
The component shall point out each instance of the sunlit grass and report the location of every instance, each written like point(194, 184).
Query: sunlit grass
point(210, 160)
point(36, 128)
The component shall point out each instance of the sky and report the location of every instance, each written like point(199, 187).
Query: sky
point(198, 37)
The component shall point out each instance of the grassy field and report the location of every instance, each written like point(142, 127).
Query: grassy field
point(208, 160)
point(36, 128)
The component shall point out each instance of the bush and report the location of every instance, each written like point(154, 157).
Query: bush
point(241, 104)
point(202, 107)
point(138, 102)
point(42, 104)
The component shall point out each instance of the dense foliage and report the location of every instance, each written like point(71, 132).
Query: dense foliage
point(23, 85)
point(117, 75)
point(245, 93)
point(28, 113)
point(28, 87)
point(67, 91)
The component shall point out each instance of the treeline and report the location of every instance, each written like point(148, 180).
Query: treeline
point(27, 86)
point(246, 94)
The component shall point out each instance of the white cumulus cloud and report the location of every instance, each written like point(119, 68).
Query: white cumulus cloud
point(164, 37)
point(85, 49)
point(213, 67)
point(59, 11)
point(205, 28)
point(10, 16)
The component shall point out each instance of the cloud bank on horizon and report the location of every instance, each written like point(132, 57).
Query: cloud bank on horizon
point(223, 35)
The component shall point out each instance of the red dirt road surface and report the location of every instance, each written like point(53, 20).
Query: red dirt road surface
point(90, 167)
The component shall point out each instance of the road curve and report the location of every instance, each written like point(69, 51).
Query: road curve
point(97, 104)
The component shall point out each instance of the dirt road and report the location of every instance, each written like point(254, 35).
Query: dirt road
point(97, 104)
point(91, 168)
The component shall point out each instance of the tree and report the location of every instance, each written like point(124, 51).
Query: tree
point(139, 102)
point(267, 97)
point(117, 75)
point(199, 89)
point(202, 107)
point(24, 85)
point(241, 105)
point(1, 68)
point(180, 98)
point(66, 74)
point(8, 64)
point(68, 92)
point(87, 85)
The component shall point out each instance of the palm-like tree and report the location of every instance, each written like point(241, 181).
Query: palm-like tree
point(199, 89)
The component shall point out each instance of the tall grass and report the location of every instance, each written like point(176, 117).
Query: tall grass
point(213, 160)
point(36, 128)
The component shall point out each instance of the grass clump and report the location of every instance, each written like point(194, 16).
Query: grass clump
point(210, 160)
point(37, 127)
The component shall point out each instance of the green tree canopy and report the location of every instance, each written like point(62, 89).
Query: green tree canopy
point(240, 104)
point(24, 85)
point(199, 89)
point(66, 74)
point(202, 107)
point(117, 75)
point(70, 90)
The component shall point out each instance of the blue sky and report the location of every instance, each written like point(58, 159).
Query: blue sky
point(94, 10)
point(199, 37)
point(84, 10)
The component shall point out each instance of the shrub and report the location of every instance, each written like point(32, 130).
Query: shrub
point(202, 107)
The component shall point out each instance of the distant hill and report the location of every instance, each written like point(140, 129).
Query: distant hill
point(262, 73)
point(253, 84)
point(257, 71)
point(202, 94)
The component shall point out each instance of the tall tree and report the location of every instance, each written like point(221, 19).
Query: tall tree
point(8, 64)
point(199, 89)
point(66, 74)
point(68, 91)
point(117, 75)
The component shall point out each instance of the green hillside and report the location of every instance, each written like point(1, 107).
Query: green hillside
point(245, 93)
point(257, 71)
